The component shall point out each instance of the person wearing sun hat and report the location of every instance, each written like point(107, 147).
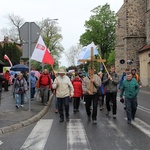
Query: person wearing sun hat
point(64, 90)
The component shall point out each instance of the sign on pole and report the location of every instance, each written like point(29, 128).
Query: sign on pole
point(29, 33)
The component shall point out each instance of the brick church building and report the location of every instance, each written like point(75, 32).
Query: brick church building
point(132, 48)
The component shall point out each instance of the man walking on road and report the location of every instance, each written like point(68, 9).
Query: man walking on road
point(45, 85)
point(64, 90)
point(111, 81)
point(91, 97)
point(131, 89)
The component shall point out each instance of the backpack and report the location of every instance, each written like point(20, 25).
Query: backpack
point(101, 90)
point(43, 76)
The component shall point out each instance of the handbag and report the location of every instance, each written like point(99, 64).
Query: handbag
point(101, 90)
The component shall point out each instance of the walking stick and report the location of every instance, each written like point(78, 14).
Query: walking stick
point(105, 66)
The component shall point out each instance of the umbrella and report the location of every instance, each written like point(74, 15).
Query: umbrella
point(20, 67)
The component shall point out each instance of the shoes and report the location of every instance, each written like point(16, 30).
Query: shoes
point(107, 113)
point(67, 119)
point(56, 111)
point(22, 106)
point(32, 99)
point(101, 108)
point(89, 118)
point(74, 111)
point(61, 120)
point(128, 121)
point(114, 116)
point(94, 121)
point(45, 104)
point(17, 106)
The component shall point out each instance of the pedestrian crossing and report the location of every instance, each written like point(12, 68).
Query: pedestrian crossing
point(38, 137)
point(77, 137)
point(141, 125)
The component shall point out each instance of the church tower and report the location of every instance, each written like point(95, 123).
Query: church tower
point(130, 34)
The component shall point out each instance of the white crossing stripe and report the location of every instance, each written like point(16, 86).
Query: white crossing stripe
point(38, 137)
point(141, 125)
point(76, 136)
point(1, 142)
point(119, 140)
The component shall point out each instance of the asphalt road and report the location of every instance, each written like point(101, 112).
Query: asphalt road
point(79, 133)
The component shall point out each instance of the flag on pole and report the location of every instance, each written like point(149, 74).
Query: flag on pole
point(7, 58)
point(41, 53)
point(86, 52)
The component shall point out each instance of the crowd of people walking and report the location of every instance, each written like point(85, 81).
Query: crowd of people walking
point(95, 89)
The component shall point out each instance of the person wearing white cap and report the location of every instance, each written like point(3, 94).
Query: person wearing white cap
point(64, 90)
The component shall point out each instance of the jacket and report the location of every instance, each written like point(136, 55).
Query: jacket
point(19, 84)
point(130, 88)
point(86, 84)
point(77, 84)
point(7, 76)
point(33, 79)
point(44, 81)
point(111, 86)
point(65, 87)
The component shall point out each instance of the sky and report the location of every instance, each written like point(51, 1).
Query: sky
point(71, 15)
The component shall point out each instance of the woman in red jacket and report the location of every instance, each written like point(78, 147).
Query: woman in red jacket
point(7, 78)
point(77, 84)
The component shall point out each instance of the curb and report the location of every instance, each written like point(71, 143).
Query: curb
point(27, 122)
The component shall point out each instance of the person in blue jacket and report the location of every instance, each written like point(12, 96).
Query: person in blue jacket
point(33, 81)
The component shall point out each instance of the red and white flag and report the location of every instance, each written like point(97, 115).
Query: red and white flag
point(41, 53)
point(7, 58)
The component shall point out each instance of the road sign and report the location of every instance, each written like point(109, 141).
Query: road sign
point(29, 33)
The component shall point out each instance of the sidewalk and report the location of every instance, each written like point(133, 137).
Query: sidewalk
point(12, 118)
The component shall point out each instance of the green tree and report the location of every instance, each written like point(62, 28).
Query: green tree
point(100, 29)
point(111, 58)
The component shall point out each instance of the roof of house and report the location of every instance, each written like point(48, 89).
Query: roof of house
point(144, 48)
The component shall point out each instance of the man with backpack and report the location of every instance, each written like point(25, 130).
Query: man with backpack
point(44, 85)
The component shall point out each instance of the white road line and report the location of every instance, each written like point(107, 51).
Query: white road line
point(38, 137)
point(1, 142)
point(76, 136)
point(143, 109)
point(119, 140)
point(141, 125)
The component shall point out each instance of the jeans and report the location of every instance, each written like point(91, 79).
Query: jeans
point(19, 99)
point(63, 102)
point(131, 107)
point(89, 99)
point(32, 92)
point(111, 97)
